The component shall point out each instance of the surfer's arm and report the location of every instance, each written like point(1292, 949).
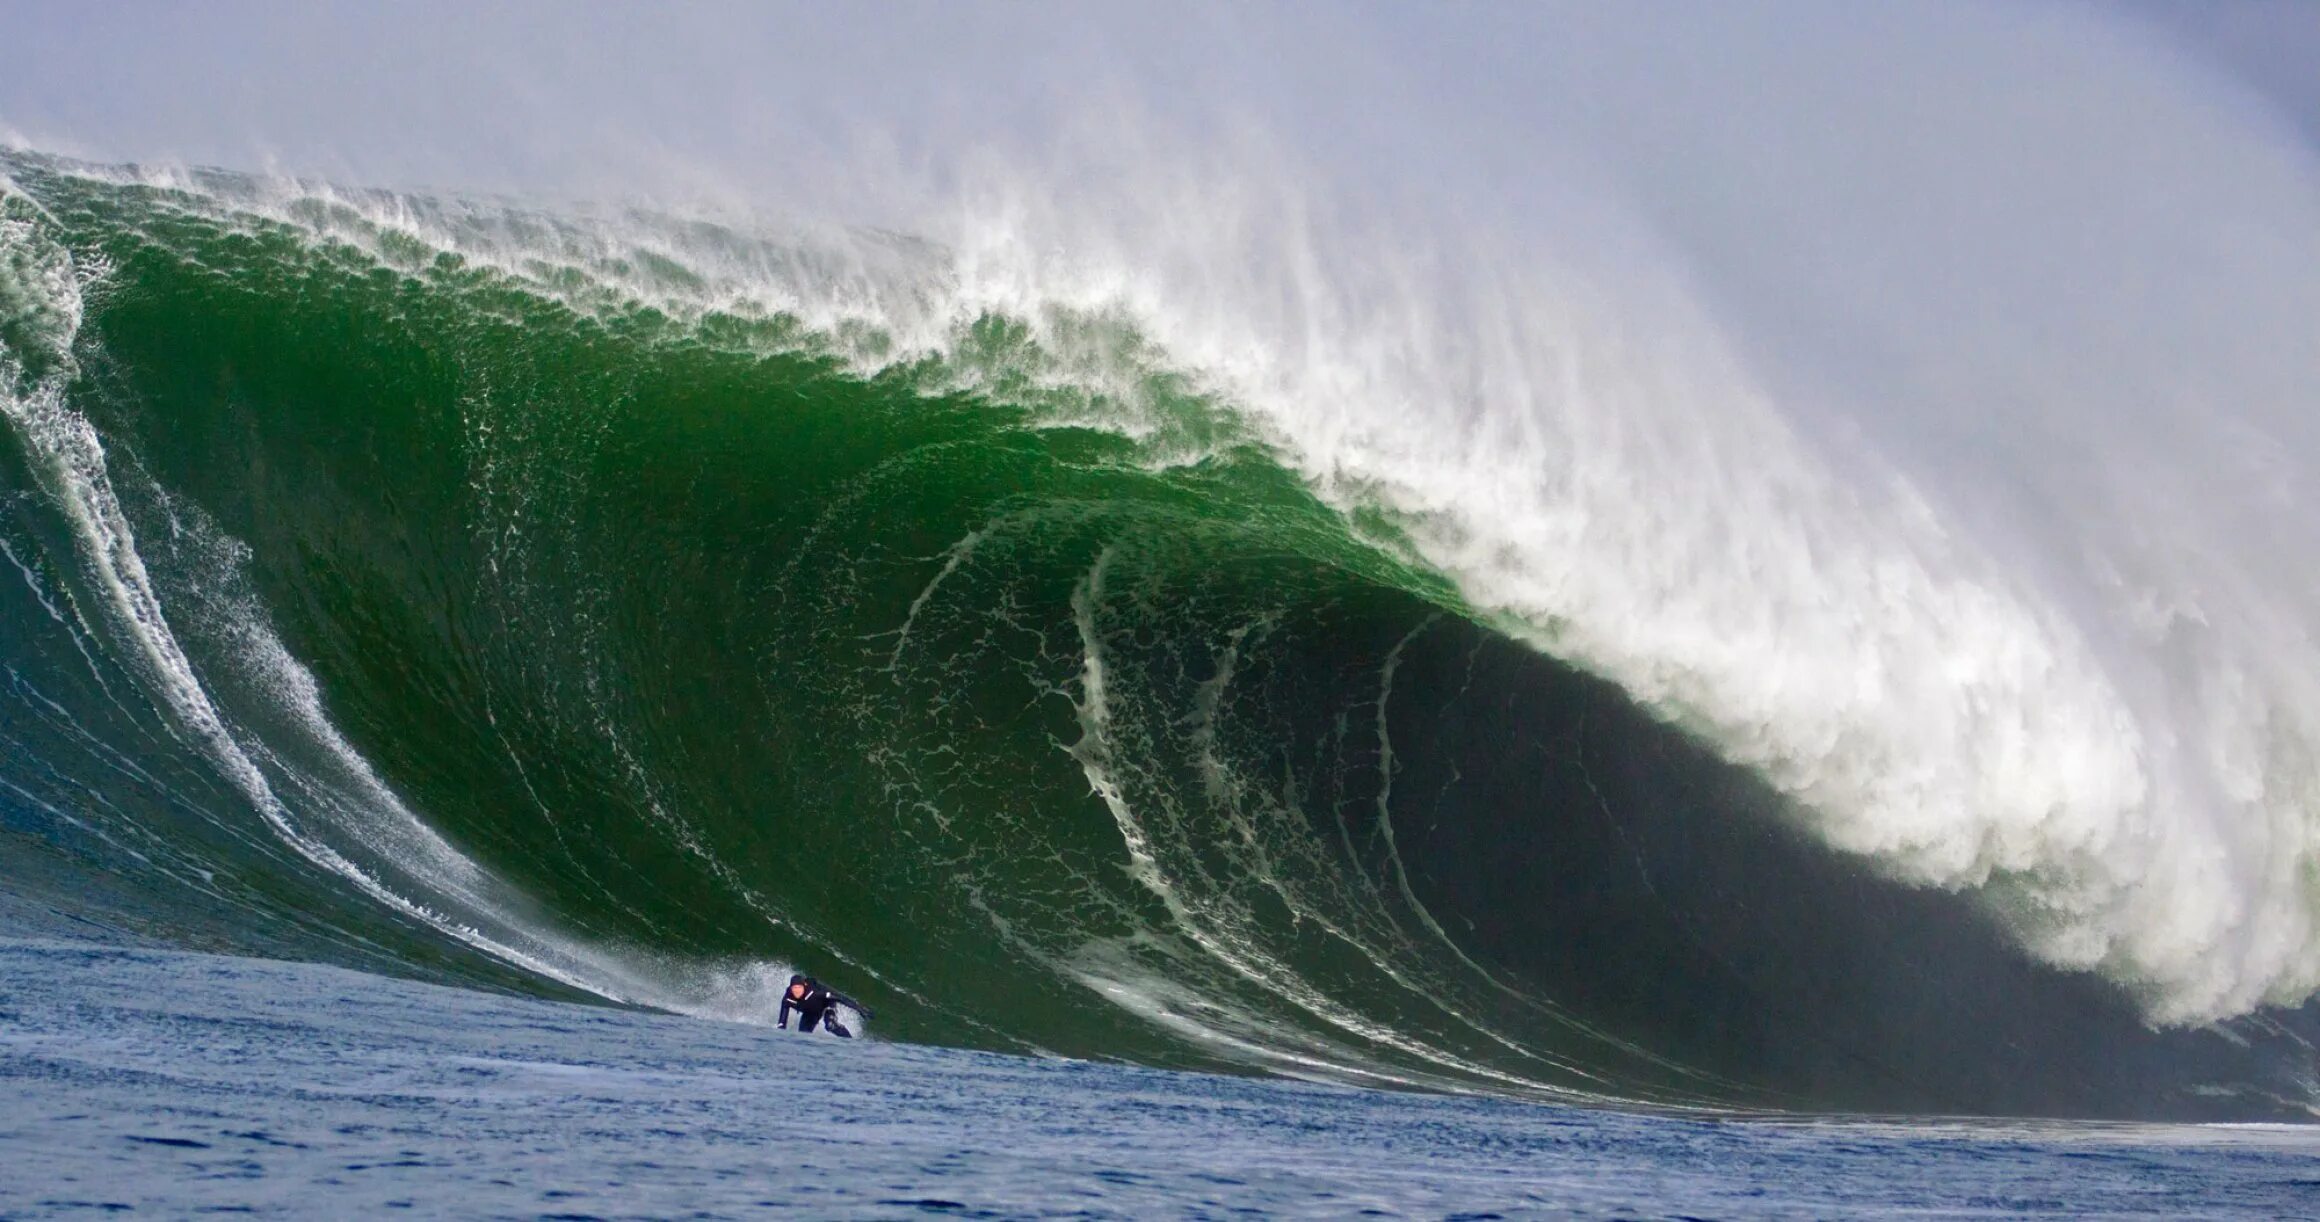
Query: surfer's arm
point(784, 1022)
point(851, 1004)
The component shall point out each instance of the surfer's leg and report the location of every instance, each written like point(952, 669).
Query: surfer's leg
point(837, 1028)
point(807, 1019)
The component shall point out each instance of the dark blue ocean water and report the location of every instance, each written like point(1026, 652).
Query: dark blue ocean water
point(174, 1083)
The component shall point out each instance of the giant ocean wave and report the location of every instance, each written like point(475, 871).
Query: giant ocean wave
point(1271, 642)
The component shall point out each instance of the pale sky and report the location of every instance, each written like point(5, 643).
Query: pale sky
point(531, 94)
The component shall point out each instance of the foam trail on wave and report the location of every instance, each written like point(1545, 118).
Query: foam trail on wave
point(483, 912)
point(1115, 976)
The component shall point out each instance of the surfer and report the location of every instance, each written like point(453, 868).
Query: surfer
point(815, 1003)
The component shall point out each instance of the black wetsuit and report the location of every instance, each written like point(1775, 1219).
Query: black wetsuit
point(818, 1006)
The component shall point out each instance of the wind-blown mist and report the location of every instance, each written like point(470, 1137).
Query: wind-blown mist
point(1915, 407)
point(1910, 408)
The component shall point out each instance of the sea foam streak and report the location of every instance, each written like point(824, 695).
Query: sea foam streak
point(346, 820)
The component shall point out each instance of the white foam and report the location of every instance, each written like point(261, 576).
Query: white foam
point(1578, 439)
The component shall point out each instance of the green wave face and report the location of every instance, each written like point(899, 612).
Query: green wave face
point(493, 620)
point(714, 647)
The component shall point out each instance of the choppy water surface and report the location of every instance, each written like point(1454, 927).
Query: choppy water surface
point(163, 1081)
